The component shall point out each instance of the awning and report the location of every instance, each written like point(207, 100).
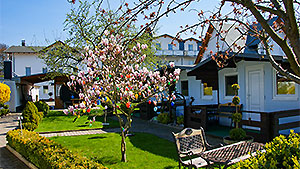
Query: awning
point(37, 78)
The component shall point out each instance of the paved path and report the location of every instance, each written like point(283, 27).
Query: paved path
point(7, 159)
point(138, 125)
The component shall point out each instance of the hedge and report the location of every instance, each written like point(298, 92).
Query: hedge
point(45, 153)
point(282, 152)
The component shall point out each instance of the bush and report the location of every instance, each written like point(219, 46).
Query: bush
point(45, 153)
point(42, 107)
point(4, 112)
point(180, 120)
point(31, 116)
point(237, 134)
point(163, 118)
point(282, 152)
point(4, 93)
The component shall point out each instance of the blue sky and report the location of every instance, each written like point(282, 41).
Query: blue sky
point(38, 20)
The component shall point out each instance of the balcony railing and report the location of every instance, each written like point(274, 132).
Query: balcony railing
point(177, 52)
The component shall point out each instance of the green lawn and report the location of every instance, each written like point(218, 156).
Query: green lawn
point(55, 121)
point(143, 150)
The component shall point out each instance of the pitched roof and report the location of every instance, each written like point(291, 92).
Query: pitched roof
point(23, 49)
point(172, 37)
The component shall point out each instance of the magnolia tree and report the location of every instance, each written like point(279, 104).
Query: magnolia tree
point(115, 76)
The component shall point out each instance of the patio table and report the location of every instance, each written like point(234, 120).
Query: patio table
point(232, 153)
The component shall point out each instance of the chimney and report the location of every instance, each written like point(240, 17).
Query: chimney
point(23, 42)
point(7, 70)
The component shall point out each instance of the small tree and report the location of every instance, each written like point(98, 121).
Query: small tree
point(236, 133)
point(115, 76)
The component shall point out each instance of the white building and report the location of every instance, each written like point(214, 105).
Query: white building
point(262, 89)
point(181, 52)
point(25, 62)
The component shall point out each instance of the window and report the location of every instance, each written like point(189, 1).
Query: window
point(229, 81)
point(44, 70)
point(185, 88)
point(28, 71)
point(170, 47)
point(207, 91)
point(284, 86)
point(158, 46)
point(191, 47)
point(45, 89)
point(284, 89)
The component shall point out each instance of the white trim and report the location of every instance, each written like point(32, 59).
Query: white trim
point(224, 86)
point(282, 96)
point(205, 97)
point(261, 69)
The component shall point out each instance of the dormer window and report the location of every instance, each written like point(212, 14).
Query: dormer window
point(191, 46)
point(170, 47)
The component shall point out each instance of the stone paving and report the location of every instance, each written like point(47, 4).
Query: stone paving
point(7, 159)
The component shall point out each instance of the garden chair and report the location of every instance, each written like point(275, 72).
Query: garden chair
point(194, 151)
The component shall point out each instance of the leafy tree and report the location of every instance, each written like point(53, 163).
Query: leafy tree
point(274, 22)
point(86, 25)
point(115, 76)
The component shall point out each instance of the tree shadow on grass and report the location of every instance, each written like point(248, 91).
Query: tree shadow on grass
point(97, 137)
point(84, 125)
point(154, 145)
point(106, 160)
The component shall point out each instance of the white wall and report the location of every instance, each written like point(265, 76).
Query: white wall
point(15, 95)
point(230, 37)
point(23, 60)
point(164, 41)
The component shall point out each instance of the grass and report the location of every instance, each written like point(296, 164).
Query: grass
point(143, 150)
point(57, 121)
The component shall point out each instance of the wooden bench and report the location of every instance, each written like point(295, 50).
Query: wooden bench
point(194, 151)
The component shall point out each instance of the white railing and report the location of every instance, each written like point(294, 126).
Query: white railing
point(177, 52)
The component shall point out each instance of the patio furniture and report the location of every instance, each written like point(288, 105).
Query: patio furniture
point(193, 150)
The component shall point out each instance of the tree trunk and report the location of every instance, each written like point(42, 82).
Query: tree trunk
point(123, 147)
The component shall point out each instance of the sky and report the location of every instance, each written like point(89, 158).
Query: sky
point(41, 22)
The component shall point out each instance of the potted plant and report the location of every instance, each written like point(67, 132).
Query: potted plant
point(237, 134)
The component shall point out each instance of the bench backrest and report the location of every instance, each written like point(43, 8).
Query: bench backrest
point(190, 140)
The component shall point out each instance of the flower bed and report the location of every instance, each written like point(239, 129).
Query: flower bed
point(45, 153)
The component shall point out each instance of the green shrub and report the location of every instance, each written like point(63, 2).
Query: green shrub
point(163, 118)
point(237, 134)
point(4, 112)
point(6, 106)
point(45, 153)
point(31, 117)
point(282, 152)
point(180, 120)
point(4, 109)
point(42, 107)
